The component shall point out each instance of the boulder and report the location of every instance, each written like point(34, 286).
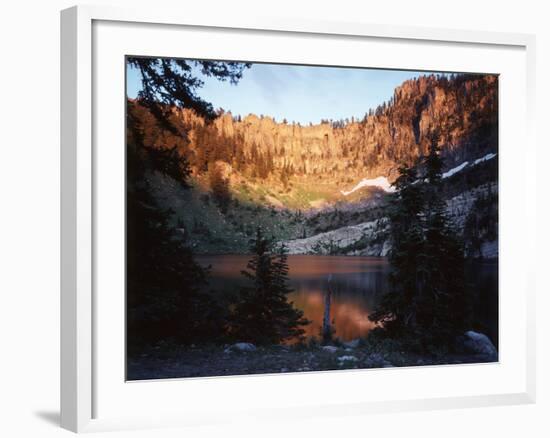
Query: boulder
point(352, 344)
point(489, 250)
point(385, 248)
point(478, 343)
point(347, 359)
point(241, 346)
point(376, 360)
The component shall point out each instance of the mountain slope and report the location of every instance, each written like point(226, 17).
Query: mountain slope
point(302, 181)
point(462, 110)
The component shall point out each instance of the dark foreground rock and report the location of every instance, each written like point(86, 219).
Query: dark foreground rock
point(478, 343)
point(240, 359)
point(240, 346)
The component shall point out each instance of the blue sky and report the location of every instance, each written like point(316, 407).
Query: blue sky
point(298, 93)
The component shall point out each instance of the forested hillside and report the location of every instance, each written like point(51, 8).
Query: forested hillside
point(255, 170)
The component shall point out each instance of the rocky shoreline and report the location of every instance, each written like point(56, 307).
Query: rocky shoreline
point(165, 361)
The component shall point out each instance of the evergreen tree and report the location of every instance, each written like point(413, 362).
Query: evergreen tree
point(263, 314)
point(481, 223)
point(169, 82)
point(398, 308)
point(220, 187)
point(165, 150)
point(428, 299)
point(445, 302)
point(286, 174)
point(164, 283)
point(166, 296)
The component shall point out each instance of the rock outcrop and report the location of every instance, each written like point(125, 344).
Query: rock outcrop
point(478, 343)
point(241, 346)
point(371, 238)
point(343, 240)
point(322, 188)
point(462, 109)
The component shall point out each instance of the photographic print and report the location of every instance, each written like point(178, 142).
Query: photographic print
point(294, 218)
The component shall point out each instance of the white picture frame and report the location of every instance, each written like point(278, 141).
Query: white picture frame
point(83, 369)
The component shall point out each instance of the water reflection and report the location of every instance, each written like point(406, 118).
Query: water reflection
point(357, 284)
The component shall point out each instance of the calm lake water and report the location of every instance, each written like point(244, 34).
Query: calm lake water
point(357, 284)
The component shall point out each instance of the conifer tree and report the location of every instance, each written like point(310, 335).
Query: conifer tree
point(220, 187)
point(164, 282)
point(170, 82)
point(398, 310)
point(263, 313)
point(165, 285)
point(445, 302)
point(428, 297)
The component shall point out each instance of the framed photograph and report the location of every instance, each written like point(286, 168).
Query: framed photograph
point(265, 208)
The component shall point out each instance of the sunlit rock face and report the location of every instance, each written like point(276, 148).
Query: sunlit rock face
point(322, 188)
point(462, 110)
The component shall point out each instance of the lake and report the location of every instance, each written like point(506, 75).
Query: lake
point(357, 284)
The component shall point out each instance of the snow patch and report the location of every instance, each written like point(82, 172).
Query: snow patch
point(381, 182)
point(485, 158)
point(454, 170)
point(458, 168)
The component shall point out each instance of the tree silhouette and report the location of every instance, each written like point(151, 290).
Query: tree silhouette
point(397, 310)
point(263, 314)
point(165, 286)
point(445, 300)
point(428, 299)
point(220, 187)
point(164, 297)
point(168, 82)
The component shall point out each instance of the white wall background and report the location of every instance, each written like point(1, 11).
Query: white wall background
point(29, 217)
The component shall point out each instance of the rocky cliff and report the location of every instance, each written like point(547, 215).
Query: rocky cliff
point(461, 109)
point(312, 186)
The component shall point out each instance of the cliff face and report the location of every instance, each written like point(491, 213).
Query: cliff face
point(462, 110)
point(311, 186)
point(313, 167)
